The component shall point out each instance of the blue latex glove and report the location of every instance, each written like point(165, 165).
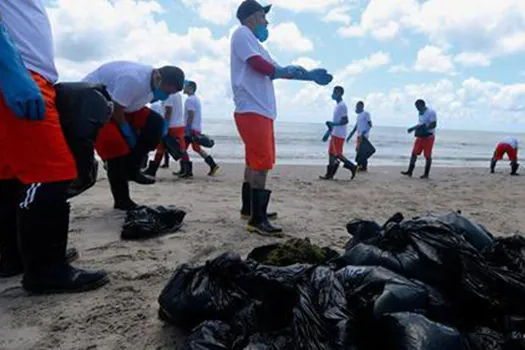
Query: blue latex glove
point(166, 128)
point(290, 72)
point(326, 135)
point(412, 129)
point(319, 75)
point(350, 136)
point(129, 134)
point(20, 91)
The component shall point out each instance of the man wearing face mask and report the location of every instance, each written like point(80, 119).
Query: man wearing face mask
point(425, 136)
point(252, 73)
point(134, 129)
point(338, 129)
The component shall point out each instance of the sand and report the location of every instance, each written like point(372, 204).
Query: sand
point(123, 315)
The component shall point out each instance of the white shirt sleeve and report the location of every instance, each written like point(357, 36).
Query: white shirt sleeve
point(122, 93)
point(168, 102)
point(431, 118)
point(244, 46)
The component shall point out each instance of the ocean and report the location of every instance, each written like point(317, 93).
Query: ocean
point(300, 143)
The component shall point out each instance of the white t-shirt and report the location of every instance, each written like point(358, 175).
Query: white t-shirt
point(252, 91)
point(29, 27)
point(428, 117)
point(363, 124)
point(177, 114)
point(340, 111)
point(157, 107)
point(194, 104)
point(511, 141)
point(128, 83)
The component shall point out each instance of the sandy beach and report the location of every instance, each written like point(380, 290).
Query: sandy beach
point(123, 315)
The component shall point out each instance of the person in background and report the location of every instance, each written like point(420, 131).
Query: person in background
point(36, 164)
point(424, 133)
point(172, 111)
point(338, 129)
point(509, 146)
point(362, 126)
point(193, 117)
point(252, 71)
point(134, 130)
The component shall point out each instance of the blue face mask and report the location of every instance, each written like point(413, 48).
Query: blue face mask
point(335, 97)
point(261, 33)
point(160, 95)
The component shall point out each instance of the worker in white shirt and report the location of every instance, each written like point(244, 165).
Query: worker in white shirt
point(193, 116)
point(252, 71)
point(338, 130)
point(424, 133)
point(134, 129)
point(362, 126)
point(509, 146)
point(173, 114)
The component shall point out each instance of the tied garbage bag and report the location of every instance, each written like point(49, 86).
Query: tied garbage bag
point(508, 252)
point(203, 140)
point(363, 231)
point(210, 292)
point(210, 335)
point(409, 331)
point(293, 251)
point(145, 222)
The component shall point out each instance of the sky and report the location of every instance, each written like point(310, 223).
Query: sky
point(466, 58)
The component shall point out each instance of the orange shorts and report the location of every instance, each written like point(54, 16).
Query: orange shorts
point(35, 151)
point(177, 132)
point(110, 143)
point(505, 148)
point(194, 145)
point(424, 145)
point(257, 134)
point(336, 146)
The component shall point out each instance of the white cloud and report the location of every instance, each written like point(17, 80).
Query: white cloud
point(399, 68)
point(307, 62)
point(338, 15)
point(351, 32)
point(306, 5)
point(217, 12)
point(433, 59)
point(287, 37)
point(472, 59)
point(375, 60)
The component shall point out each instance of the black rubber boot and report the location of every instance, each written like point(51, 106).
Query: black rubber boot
point(259, 221)
point(428, 165)
point(493, 165)
point(152, 168)
point(213, 166)
point(42, 233)
point(10, 259)
point(514, 166)
point(347, 164)
point(331, 170)
point(180, 170)
point(187, 170)
point(246, 212)
point(166, 164)
point(119, 185)
point(411, 167)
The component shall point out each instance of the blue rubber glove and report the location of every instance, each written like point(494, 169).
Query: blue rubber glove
point(319, 75)
point(129, 134)
point(412, 129)
point(166, 128)
point(20, 91)
point(326, 135)
point(290, 72)
point(350, 136)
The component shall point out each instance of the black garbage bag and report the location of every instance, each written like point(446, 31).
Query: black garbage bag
point(366, 231)
point(293, 251)
point(474, 233)
point(409, 331)
point(210, 292)
point(147, 222)
point(265, 341)
point(173, 147)
point(507, 252)
point(204, 140)
point(210, 335)
point(486, 339)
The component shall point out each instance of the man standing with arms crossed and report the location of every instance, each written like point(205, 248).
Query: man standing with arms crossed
point(252, 73)
point(425, 137)
point(36, 165)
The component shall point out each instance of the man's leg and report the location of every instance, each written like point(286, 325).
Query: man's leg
point(493, 163)
point(43, 226)
point(331, 168)
point(416, 151)
point(10, 259)
point(428, 146)
point(118, 182)
point(428, 165)
point(154, 164)
point(166, 161)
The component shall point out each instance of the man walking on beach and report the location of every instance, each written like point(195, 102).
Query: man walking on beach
point(362, 126)
point(509, 146)
point(425, 136)
point(36, 164)
point(252, 73)
point(134, 130)
point(193, 117)
point(338, 129)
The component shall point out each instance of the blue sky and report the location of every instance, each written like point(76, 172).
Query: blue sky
point(467, 62)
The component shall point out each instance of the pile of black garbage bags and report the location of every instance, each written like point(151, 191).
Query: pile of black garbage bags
point(437, 282)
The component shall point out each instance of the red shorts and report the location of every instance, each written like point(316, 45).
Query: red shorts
point(177, 132)
point(336, 146)
point(194, 145)
point(424, 145)
point(257, 133)
point(35, 151)
point(110, 142)
point(505, 148)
